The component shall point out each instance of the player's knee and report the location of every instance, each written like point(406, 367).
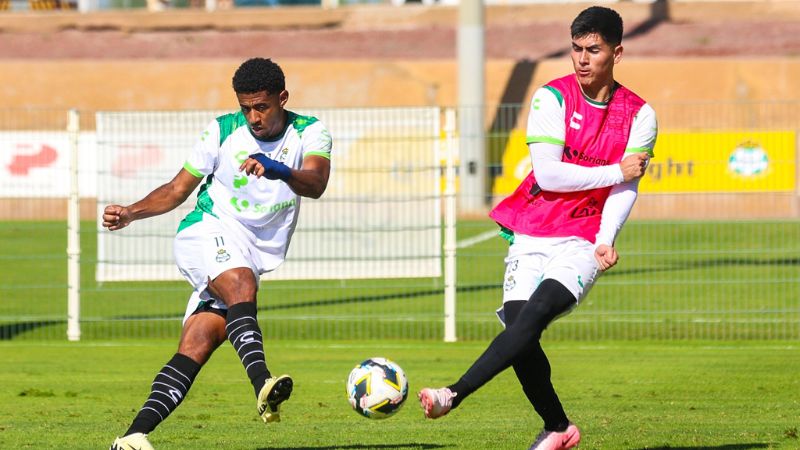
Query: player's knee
point(550, 300)
point(235, 286)
point(511, 311)
point(198, 352)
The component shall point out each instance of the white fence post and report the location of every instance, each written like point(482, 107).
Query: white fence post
point(73, 232)
point(450, 227)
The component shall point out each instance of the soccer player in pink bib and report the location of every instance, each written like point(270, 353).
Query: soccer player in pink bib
point(590, 140)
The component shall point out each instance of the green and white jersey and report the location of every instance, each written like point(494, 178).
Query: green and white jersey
point(262, 212)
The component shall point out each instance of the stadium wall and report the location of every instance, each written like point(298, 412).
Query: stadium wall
point(169, 84)
point(205, 84)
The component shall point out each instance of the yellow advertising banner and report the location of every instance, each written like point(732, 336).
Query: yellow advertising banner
point(731, 161)
point(694, 162)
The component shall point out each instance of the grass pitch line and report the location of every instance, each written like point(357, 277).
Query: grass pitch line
point(477, 239)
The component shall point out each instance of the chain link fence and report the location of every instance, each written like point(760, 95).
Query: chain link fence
point(711, 251)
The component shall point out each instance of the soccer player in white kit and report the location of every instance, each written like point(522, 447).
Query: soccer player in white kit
point(254, 165)
point(590, 140)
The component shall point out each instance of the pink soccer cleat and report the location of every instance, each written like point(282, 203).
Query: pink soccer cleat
point(436, 402)
point(557, 440)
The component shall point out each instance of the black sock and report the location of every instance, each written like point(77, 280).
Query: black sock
point(169, 388)
point(245, 335)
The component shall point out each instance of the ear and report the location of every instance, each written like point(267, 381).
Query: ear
point(618, 54)
point(284, 97)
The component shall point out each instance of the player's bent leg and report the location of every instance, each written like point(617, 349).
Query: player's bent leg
point(238, 289)
point(202, 334)
point(136, 441)
point(275, 391)
point(533, 318)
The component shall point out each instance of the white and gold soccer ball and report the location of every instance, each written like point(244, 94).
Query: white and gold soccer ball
point(377, 388)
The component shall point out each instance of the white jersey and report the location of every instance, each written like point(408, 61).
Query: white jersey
point(262, 211)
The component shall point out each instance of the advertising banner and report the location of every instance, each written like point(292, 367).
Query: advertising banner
point(693, 162)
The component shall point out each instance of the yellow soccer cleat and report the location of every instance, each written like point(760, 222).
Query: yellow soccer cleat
point(276, 390)
point(135, 441)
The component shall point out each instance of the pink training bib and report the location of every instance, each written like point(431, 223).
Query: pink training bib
point(594, 137)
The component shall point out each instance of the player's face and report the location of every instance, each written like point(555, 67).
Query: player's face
point(593, 60)
point(264, 112)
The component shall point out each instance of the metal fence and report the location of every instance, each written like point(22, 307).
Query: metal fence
point(711, 251)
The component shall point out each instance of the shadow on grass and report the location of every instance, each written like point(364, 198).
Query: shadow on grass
point(9, 331)
point(378, 298)
point(712, 447)
point(358, 446)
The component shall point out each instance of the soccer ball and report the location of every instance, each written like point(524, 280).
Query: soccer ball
point(377, 388)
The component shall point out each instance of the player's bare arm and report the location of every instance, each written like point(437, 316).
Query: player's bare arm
point(309, 181)
point(163, 199)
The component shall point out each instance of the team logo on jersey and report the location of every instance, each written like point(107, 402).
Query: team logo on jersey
point(587, 210)
point(239, 181)
point(570, 152)
point(222, 255)
point(283, 154)
point(573, 121)
point(239, 205)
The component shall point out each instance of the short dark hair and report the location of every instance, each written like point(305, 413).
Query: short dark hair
point(601, 20)
point(259, 74)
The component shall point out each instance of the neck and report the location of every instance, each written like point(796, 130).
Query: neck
point(599, 92)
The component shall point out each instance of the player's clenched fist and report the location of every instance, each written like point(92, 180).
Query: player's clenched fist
point(116, 217)
point(633, 166)
point(606, 256)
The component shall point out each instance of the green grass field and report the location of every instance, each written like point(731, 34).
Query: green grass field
point(675, 280)
point(690, 343)
point(624, 395)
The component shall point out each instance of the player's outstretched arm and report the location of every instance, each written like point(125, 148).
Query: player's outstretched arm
point(163, 199)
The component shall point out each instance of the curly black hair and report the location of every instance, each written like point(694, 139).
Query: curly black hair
point(597, 19)
point(258, 74)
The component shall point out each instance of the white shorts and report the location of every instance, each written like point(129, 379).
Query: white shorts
point(203, 251)
point(570, 261)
